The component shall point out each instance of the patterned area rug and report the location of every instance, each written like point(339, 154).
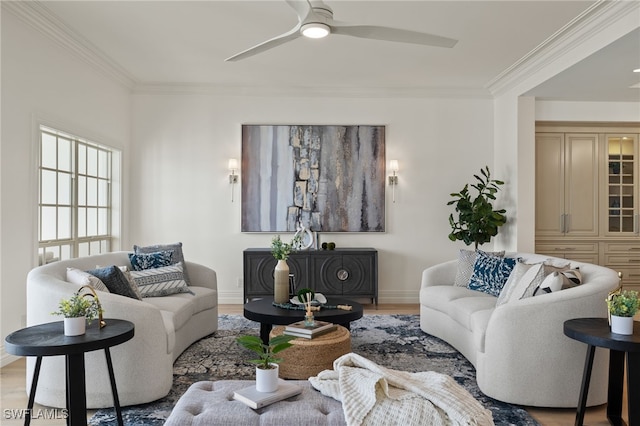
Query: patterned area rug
point(393, 341)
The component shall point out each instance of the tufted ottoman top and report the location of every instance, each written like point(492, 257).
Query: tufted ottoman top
point(212, 403)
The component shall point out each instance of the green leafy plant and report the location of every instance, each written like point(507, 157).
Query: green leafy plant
point(623, 303)
point(477, 221)
point(281, 250)
point(79, 305)
point(266, 352)
point(302, 294)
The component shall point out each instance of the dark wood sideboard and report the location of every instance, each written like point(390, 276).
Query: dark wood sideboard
point(350, 273)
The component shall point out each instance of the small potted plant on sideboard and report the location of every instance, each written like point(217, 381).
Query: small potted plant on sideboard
point(623, 305)
point(281, 251)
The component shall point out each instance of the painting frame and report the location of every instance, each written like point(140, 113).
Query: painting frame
point(327, 178)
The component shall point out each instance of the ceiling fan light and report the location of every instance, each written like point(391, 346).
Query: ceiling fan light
point(315, 30)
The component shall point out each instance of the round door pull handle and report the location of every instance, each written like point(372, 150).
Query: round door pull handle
point(342, 274)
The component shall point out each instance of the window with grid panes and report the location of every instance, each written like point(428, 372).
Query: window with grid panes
point(75, 196)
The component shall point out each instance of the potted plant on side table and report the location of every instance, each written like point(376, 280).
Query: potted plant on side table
point(623, 305)
point(267, 368)
point(78, 310)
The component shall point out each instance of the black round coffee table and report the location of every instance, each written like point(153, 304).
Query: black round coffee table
point(263, 311)
point(49, 340)
point(596, 332)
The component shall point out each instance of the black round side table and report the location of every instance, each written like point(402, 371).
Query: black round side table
point(49, 340)
point(595, 332)
point(263, 311)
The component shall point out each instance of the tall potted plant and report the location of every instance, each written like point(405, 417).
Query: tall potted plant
point(266, 364)
point(477, 220)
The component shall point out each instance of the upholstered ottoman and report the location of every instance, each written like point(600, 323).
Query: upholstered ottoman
point(308, 357)
point(212, 403)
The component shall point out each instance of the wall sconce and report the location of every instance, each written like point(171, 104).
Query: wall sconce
point(233, 177)
point(393, 179)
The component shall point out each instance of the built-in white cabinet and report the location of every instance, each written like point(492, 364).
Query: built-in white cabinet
point(588, 195)
point(566, 185)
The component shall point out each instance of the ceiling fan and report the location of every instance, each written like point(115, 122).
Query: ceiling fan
point(315, 20)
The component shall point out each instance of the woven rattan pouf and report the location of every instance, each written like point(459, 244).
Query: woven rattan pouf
point(308, 357)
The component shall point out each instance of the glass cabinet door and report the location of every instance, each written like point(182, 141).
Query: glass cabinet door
point(622, 186)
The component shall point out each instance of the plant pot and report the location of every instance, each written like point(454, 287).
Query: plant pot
point(281, 282)
point(267, 380)
point(621, 325)
point(75, 326)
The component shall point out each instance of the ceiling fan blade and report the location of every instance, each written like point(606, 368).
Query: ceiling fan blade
point(302, 8)
point(266, 45)
point(392, 34)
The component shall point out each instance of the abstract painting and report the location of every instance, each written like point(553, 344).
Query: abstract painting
point(327, 178)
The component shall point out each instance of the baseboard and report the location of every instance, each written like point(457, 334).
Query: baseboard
point(5, 358)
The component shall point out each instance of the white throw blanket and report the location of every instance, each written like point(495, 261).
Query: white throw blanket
point(375, 395)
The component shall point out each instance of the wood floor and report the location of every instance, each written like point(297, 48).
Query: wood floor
point(13, 393)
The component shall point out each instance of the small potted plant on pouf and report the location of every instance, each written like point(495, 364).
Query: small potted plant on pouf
point(623, 305)
point(77, 310)
point(267, 368)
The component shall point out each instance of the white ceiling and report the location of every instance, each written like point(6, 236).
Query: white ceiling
point(186, 42)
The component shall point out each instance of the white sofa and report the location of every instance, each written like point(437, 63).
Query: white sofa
point(143, 367)
point(519, 349)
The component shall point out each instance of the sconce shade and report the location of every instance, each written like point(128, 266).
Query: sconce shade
point(233, 164)
point(393, 165)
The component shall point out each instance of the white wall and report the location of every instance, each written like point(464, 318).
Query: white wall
point(41, 80)
point(180, 189)
point(588, 111)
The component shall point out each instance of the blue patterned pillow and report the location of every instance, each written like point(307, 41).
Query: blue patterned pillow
point(490, 273)
point(177, 256)
point(115, 280)
point(142, 261)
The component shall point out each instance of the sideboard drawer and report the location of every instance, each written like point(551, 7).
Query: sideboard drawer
point(566, 247)
point(632, 248)
point(579, 251)
point(622, 259)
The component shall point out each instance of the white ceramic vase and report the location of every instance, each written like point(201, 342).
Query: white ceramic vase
point(621, 325)
point(75, 326)
point(267, 380)
point(281, 282)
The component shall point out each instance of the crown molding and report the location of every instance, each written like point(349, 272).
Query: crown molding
point(38, 16)
point(35, 14)
point(578, 31)
point(310, 91)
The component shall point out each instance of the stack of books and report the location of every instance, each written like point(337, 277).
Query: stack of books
point(254, 399)
point(298, 329)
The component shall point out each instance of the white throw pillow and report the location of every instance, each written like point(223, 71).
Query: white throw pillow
point(532, 277)
point(78, 277)
point(518, 271)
